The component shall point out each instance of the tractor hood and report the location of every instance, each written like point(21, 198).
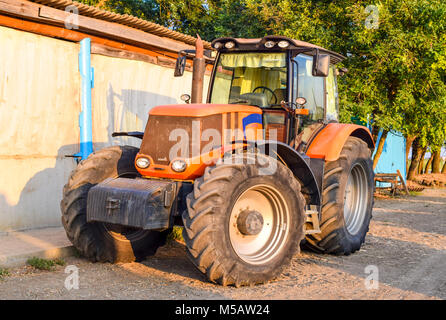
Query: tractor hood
point(201, 110)
point(191, 133)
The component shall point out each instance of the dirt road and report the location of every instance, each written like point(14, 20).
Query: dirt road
point(406, 243)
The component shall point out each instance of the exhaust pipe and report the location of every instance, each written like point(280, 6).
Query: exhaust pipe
point(198, 72)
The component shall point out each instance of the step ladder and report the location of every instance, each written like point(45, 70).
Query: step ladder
point(311, 225)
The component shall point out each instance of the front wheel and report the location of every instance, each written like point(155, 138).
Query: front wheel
point(101, 241)
point(242, 226)
point(347, 201)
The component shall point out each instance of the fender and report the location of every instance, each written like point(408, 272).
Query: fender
point(329, 142)
point(300, 164)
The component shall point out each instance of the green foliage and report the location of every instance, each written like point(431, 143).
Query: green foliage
point(397, 71)
point(176, 234)
point(45, 264)
point(4, 273)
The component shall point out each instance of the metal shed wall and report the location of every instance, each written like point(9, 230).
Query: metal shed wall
point(39, 111)
point(393, 155)
point(125, 91)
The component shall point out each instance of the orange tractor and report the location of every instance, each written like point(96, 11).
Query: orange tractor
point(259, 170)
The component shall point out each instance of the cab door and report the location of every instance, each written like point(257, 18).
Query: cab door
point(321, 97)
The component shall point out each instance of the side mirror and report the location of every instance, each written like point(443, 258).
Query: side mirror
point(301, 111)
point(185, 97)
point(321, 64)
point(301, 101)
point(180, 66)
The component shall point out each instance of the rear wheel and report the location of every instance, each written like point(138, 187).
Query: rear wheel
point(243, 227)
point(347, 201)
point(101, 241)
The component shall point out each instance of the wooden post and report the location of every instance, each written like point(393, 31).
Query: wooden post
point(402, 181)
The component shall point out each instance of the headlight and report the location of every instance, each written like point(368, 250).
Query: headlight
point(218, 45)
point(143, 163)
point(229, 45)
point(179, 166)
point(270, 44)
point(283, 44)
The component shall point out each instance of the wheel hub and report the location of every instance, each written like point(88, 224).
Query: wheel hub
point(259, 224)
point(250, 222)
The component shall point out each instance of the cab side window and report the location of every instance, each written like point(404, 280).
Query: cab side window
point(332, 96)
point(309, 87)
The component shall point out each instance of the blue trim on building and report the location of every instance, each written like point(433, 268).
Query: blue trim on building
point(85, 117)
point(393, 156)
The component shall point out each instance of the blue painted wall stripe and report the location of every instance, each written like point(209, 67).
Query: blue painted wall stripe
point(85, 117)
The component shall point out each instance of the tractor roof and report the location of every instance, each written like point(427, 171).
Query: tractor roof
point(243, 44)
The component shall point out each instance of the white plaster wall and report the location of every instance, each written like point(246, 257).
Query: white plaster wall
point(39, 111)
point(39, 107)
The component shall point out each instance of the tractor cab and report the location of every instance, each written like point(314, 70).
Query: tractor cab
point(293, 82)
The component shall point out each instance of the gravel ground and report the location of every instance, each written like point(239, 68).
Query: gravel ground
point(406, 242)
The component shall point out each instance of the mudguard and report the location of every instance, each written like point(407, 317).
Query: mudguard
point(330, 140)
point(308, 171)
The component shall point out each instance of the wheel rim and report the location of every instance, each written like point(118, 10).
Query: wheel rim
point(264, 246)
point(356, 199)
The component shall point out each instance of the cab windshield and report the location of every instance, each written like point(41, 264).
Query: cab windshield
point(258, 79)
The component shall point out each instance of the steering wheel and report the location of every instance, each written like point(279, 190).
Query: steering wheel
point(268, 89)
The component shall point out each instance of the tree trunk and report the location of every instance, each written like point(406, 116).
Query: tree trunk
point(444, 168)
point(436, 161)
point(379, 150)
point(416, 155)
point(375, 133)
point(428, 165)
point(409, 141)
point(421, 164)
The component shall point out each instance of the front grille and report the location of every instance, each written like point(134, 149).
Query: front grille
point(161, 129)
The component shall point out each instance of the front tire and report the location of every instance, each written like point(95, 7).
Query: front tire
point(99, 241)
point(216, 229)
point(347, 201)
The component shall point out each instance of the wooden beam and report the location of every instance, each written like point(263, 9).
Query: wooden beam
point(76, 36)
point(99, 45)
point(403, 182)
point(120, 53)
point(91, 26)
point(124, 54)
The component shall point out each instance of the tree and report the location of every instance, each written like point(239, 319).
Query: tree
point(396, 65)
point(436, 161)
point(396, 50)
point(428, 164)
point(417, 150)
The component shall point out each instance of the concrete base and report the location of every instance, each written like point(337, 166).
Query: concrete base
point(18, 246)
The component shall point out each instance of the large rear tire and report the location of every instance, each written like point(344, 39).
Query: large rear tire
point(99, 241)
point(242, 226)
point(347, 201)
